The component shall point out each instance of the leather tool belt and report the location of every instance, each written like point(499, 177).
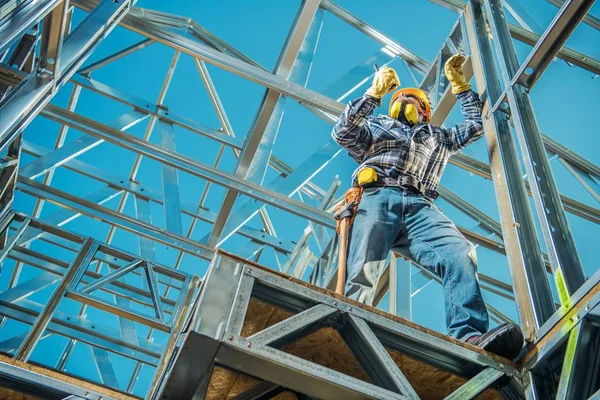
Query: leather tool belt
point(408, 182)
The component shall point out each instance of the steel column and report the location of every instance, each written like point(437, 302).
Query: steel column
point(25, 101)
point(562, 252)
point(533, 295)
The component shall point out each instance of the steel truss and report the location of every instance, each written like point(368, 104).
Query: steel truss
point(40, 53)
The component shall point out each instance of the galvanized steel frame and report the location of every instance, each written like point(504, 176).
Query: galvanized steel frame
point(36, 83)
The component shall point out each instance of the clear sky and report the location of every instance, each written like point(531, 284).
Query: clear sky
point(565, 99)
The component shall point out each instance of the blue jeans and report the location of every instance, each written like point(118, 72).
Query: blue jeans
point(394, 218)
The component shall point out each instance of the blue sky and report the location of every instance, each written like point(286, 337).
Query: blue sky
point(565, 100)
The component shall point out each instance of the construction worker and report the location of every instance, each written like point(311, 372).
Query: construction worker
point(402, 158)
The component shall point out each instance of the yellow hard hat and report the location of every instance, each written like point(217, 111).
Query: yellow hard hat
point(419, 94)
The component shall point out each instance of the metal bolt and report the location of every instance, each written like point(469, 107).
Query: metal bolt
point(249, 344)
point(335, 303)
point(517, 225)
point(230, 337)
point(249, 271)
point(500, 366)
point(588, 308)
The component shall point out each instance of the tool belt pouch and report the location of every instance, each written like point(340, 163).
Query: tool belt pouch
point(348, 208)
point(366, 177)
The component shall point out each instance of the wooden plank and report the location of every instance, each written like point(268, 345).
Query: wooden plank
point(66, 378)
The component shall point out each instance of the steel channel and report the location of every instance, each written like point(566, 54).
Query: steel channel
point(258, 145)
point(56, 267)
point(374, 358)
point(22, 19)
point(192, 166)
point(533, 295)
point(547, 47)
point(84, 256)
point(115, 56)
point(559, 241)
point(295, 373)
point(476, 385)
point(144, 192)
point(198, 50)
point(71, 326)
point(27, 100)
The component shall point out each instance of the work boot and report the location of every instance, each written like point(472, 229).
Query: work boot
point(505, 340)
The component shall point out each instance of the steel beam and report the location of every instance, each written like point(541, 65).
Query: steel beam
point(189, 165)
point(21, 58)
point(199, 50)
point(585, 179)
point(531, 38)
point(75, 148)
point(287, 186)
point(84, 331)
point(374, 358)
point(86, 71)
point(22, 19)
point(256, 151)
point(142, 193)
point(25, 101)
point(559, 241)
point(53, 32)
point(556, 330)
point(482, 169)
point(411, 58)
point(118, 289)
point(80, 262)
point(533, 295)
point(112, 217)
point(588, 18)
point(567, 54)
point(400, 288)
point(557, 33)
point(170, 182)
point(476, 385)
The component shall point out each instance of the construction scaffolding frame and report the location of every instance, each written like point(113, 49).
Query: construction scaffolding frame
point(180, 326)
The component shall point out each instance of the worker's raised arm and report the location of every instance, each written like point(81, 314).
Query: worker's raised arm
point(471, 128)
point(352, 131)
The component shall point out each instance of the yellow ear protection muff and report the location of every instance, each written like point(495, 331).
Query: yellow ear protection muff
point(405, 112)
point(408, 114)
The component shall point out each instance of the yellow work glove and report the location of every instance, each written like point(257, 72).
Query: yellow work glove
point(455, 74)
point(385, 81)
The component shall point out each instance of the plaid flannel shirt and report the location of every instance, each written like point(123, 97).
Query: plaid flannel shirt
point(394, 149)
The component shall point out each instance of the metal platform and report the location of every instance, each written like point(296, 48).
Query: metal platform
point(290, 335)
